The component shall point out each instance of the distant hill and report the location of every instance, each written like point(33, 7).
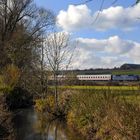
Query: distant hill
point(130, 66)
point(124, 69)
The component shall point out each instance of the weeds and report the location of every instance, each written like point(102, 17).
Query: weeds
point(104, 116)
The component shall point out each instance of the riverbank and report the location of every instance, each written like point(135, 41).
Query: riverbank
point(11, 102)
point(101, 114)
point(31, 125)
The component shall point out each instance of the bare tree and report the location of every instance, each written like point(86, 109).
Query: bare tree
point(17, 15)
point(43, 70)
point(58, 53)
point(22, 25)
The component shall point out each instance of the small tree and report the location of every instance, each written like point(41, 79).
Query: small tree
point(59, 54)
point(71, 78)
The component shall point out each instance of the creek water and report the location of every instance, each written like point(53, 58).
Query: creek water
point(29, 125)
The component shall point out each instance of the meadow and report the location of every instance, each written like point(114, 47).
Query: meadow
point(126, 72)
point(104, 115)
point(128, 88)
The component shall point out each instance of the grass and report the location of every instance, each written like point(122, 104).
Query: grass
point(129, 93)
point(105, 116)
point(125, 72)
point(128, 88)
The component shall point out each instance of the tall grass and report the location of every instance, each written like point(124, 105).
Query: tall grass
point(104, 116)
point(118, 88)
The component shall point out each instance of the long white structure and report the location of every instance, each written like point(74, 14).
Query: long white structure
point(101, 77)
point(104, 77)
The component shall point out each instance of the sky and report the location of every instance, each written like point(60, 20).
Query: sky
point(106, 38)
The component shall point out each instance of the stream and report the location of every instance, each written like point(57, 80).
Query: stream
point(29, 125)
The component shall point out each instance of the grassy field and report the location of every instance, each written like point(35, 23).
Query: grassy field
point(129, 72)
point(101, 87)
point(129, 93)
point(105, 116)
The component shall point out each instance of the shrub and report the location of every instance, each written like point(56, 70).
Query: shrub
point(45, 105)
point(10, 75)
point(9, 78)
point(48, 105)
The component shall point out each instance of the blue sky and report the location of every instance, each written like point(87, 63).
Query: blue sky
point(57, 5)
point(112, 40)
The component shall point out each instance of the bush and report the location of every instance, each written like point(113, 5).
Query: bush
point(48, 105)
point(45, 105)
point(9, 78)
point(10, 75)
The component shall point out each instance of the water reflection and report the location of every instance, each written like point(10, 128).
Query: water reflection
point(32, 126)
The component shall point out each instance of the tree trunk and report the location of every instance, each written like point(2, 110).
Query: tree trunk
point(56, 89)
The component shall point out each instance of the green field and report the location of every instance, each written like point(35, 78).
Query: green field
point(129, 72)
point(129, 93)
point(101, 87)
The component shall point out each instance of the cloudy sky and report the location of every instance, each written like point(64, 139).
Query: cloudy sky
point(106, 38)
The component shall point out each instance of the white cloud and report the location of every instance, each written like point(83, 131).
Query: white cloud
point(114, 51)
point(117, 45)
point(75, 17)
point(79, 17)
point(113, 44)
point(92, 43)
point(134, 54)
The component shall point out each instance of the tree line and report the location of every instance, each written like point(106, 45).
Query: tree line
point(31, 48)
